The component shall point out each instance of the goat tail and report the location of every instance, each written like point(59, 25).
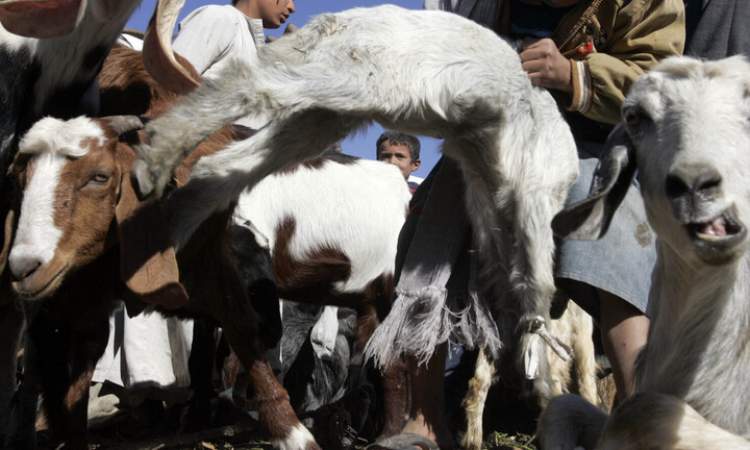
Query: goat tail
point(570, 423)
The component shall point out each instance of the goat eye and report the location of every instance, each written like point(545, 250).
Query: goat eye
point(632, 118)
point(99, 178)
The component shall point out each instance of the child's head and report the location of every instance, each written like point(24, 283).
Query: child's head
point(399, 149)
point(272, 12)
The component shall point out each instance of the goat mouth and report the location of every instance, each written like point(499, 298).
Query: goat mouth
point(719, 235)
point(30, 288)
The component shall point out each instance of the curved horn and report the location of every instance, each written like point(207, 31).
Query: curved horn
point(158, 55)
point(41, 19)
point(123, 124)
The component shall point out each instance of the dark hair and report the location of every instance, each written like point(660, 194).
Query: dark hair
point(398, 138)
point(234, 2)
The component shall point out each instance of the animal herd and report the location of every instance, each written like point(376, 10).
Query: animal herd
point(124, 179)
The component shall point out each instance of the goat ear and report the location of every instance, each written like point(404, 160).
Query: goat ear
point(7, 239)
point(590, 218)
point(158, 57)
point(41, 19)
point(148, 264)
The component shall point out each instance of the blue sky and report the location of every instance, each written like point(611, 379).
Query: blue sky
point(361, 144)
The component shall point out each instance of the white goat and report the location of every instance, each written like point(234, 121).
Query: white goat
point(687, 132)
point(424, 72)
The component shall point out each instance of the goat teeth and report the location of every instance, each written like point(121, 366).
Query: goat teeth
point(714, 229)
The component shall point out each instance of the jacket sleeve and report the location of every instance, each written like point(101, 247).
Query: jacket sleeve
point(645, 32)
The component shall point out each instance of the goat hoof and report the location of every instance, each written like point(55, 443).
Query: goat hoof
point(143, 181)
point(404, 441)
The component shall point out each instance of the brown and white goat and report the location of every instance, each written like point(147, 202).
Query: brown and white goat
point(686, 132)
point(50, 54)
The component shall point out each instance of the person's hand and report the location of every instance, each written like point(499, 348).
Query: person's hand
point(545, 65)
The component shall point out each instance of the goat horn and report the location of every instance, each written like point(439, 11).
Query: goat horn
point(158, 55)
point(41, 19)
point(123, 124)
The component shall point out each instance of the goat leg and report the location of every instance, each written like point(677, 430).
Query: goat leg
point(67, 359)
point(474, 401)
point(11, 324)
point(651, 420)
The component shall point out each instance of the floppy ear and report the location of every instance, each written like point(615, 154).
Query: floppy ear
point(148, 264)
point(41, 18)
point(589, 219)
point(7, 239)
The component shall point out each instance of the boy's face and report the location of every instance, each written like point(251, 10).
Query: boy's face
point(400, 156)
point(275, 12)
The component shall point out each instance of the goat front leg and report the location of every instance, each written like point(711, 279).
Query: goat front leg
point(271, 399)
point(242, 329)
point(474, 401)
point(651, 420)
point(11, 325)
point(66, 360)
point(173, 135)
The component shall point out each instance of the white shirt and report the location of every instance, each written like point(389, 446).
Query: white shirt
point(213, 35)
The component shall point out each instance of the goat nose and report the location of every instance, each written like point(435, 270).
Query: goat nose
point(23, 266)
point(706, 183)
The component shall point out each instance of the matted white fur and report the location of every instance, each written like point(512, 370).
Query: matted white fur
point(299, 438)
point(50, 141)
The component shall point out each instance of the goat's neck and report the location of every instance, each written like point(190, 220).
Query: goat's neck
point(699, 345)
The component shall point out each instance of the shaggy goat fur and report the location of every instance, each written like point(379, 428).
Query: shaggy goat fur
point(574, 328)
point(691, 375)
point(424, 72)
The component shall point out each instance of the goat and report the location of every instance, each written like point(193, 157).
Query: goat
point(301, 264)
point(690, 390)
point(454, 79)
point(50, 54)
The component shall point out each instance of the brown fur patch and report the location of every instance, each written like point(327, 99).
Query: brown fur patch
point(78, 390)
point(310, 280)
point(126, 87)
point(271, 400)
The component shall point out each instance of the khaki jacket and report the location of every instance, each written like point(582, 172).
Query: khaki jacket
point(613, 42)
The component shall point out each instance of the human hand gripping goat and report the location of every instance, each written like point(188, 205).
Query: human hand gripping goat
point(546, 66)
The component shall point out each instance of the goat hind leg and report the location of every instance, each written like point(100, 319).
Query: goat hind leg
point(474, 401)
point(671, 424)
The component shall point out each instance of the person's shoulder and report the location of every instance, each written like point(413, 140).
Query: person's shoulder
point(214, 13)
